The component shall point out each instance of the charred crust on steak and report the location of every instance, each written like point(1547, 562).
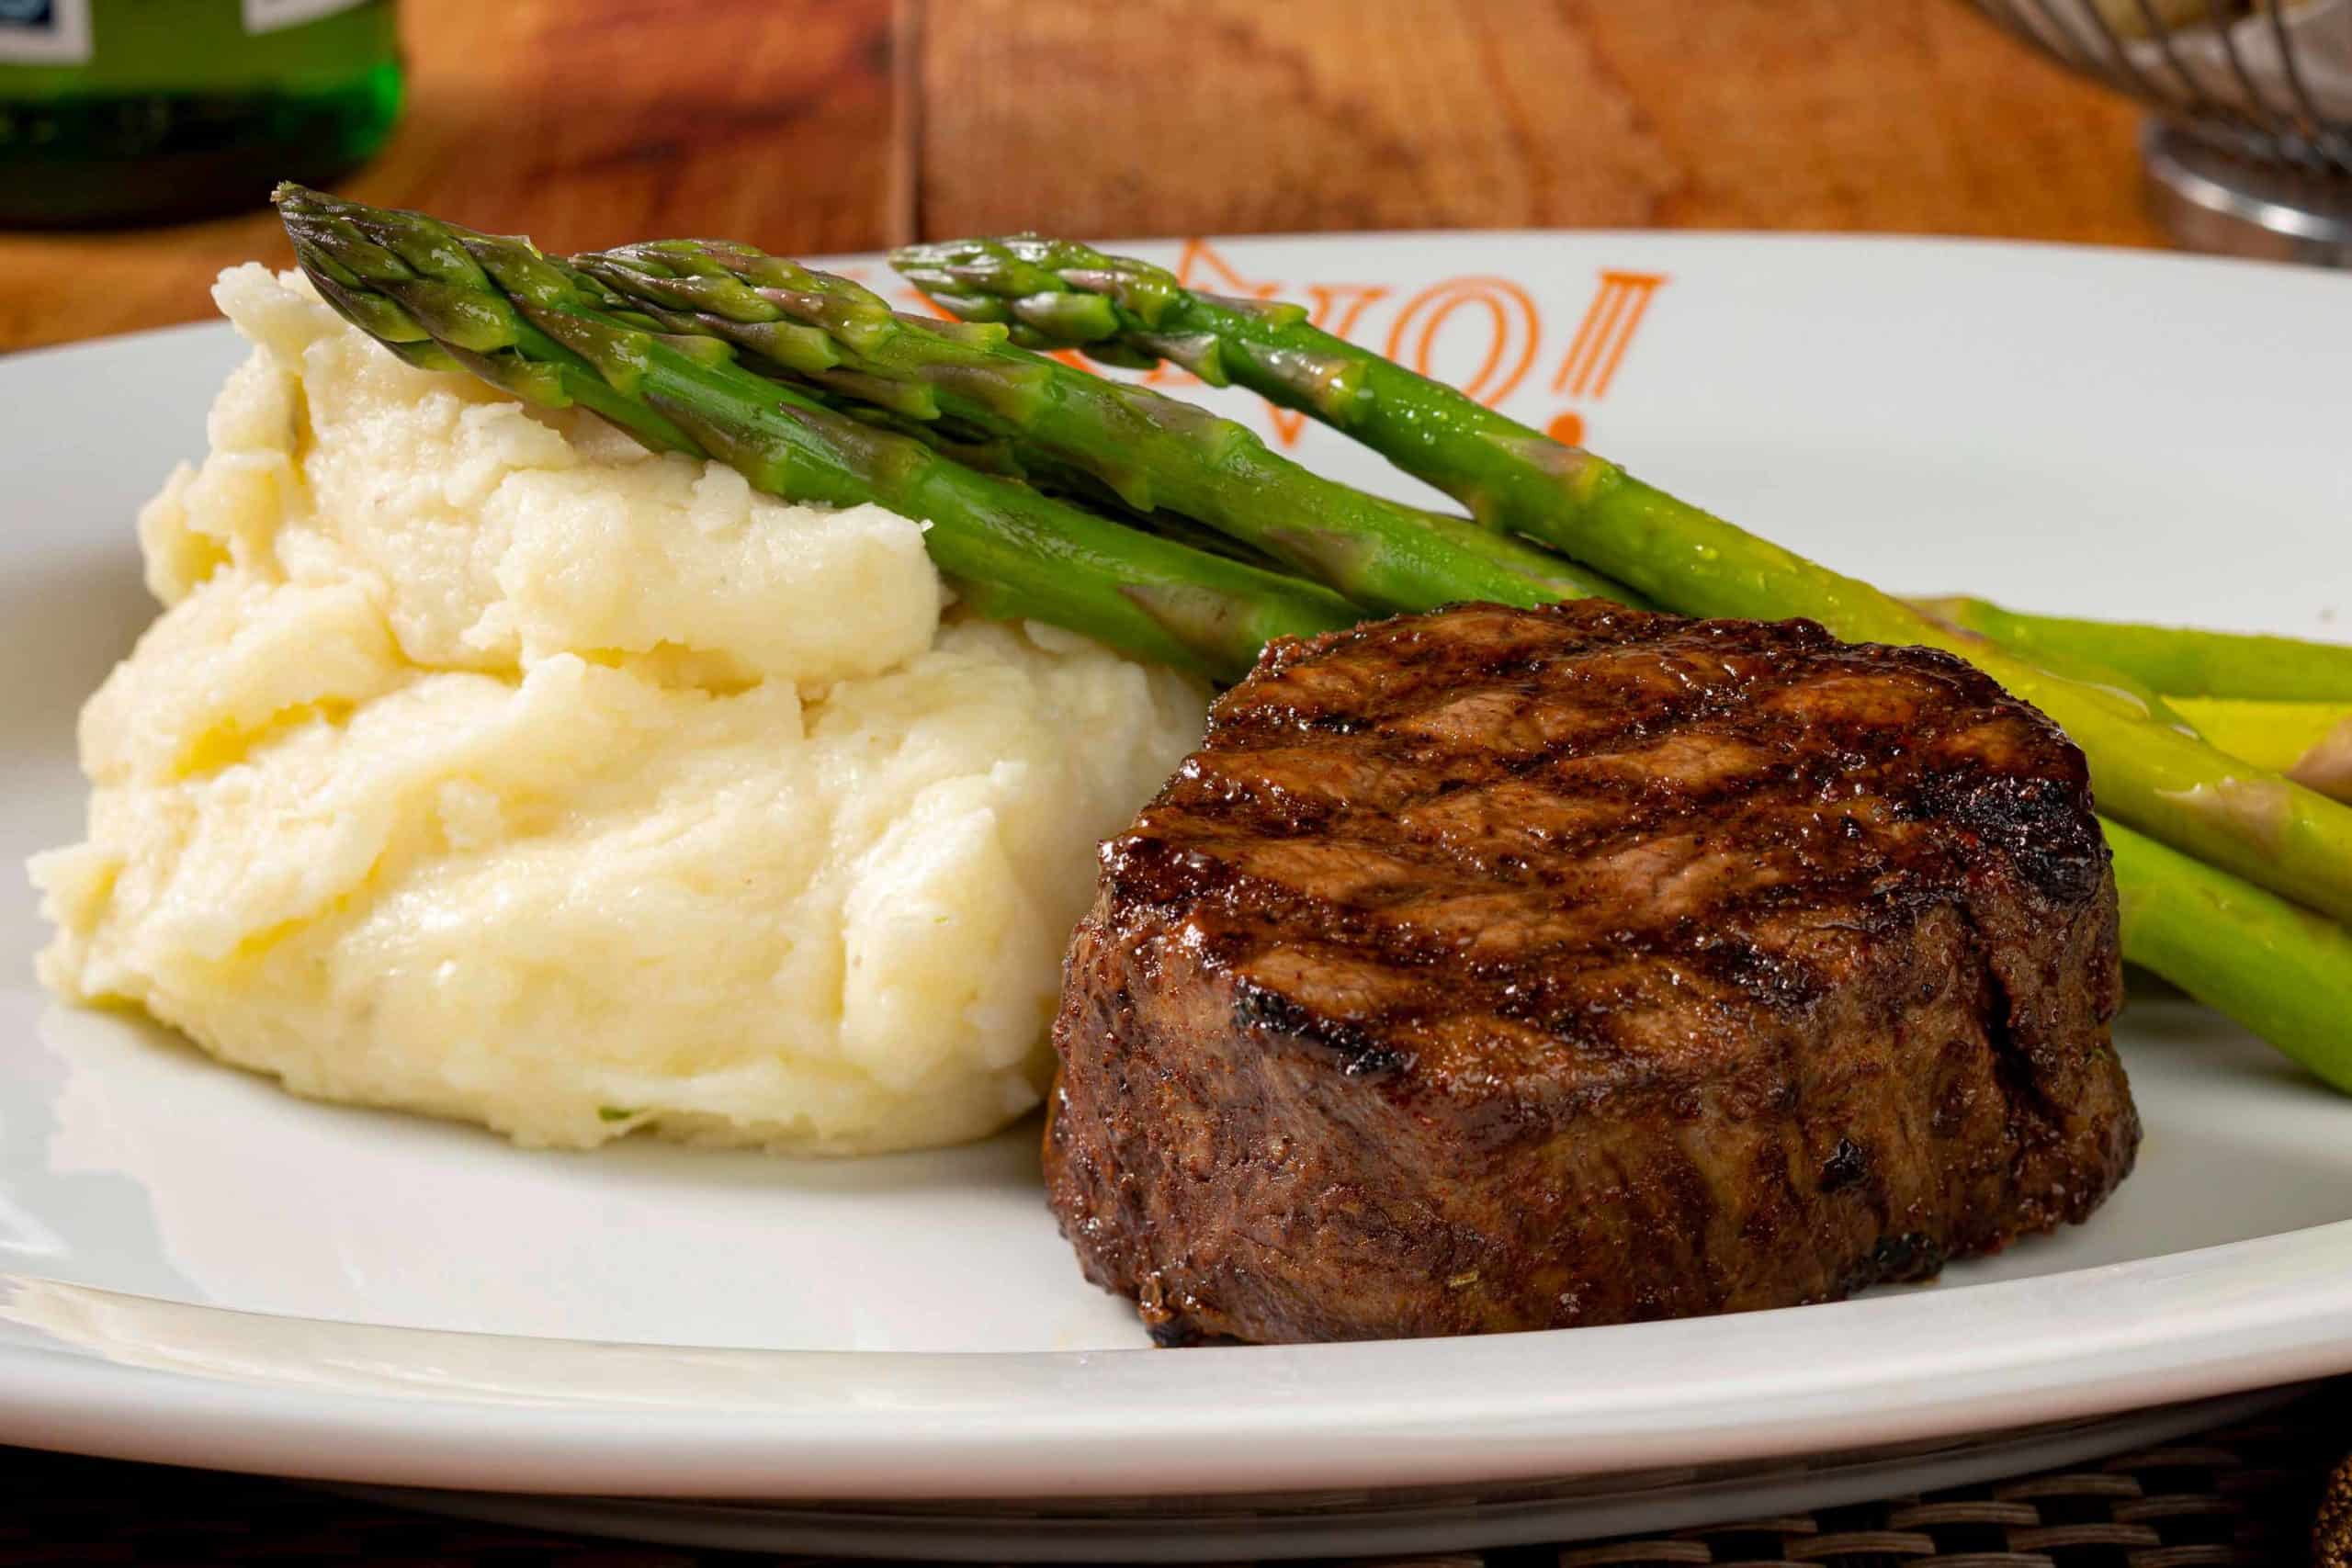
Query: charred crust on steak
point(1506, 968)
point(1846, 1163)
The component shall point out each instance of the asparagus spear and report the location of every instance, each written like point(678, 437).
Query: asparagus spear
point(448, 299)
point(2283, 971)
point(1154, 453)
point(2310, 742)
point(1015, 459)
point(1008, 459)
point(2180, 661)
point(2154, 777)
point(445, 297)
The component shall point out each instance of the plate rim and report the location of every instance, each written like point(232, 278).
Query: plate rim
point(1373, 1527)
point(2242, 1316)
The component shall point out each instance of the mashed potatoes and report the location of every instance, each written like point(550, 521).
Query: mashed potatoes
point(484, 765)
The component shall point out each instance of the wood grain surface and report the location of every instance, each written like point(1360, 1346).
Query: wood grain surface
point(829, 124)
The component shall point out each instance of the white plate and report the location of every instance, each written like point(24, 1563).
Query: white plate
point(199, 1269)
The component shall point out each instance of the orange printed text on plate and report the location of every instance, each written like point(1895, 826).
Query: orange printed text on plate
point(1506, 311)
point(1606, 333)
point(1480, 331)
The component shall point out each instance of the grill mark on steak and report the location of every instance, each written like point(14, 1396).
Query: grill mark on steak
point(1586, 965)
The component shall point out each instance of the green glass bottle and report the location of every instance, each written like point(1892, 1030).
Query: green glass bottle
point(128, 111)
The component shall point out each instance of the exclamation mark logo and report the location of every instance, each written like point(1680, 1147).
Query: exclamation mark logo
point(1601, 340)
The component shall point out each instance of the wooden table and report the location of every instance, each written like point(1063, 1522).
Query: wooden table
point(831, 125)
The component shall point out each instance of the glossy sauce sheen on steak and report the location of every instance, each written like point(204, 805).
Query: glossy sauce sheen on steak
point(1503, 969)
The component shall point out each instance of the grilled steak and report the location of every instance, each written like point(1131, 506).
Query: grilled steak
point(1506, 969)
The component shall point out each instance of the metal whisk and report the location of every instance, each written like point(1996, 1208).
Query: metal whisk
point(2249, 150)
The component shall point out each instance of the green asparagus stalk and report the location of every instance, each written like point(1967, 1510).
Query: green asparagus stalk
point(1017, 460)
point(2152, 776)
point(2283, 971)
point(1154, 453)
point(2310, 742)
point(447, 298)
point(2180, 661)
point(1008, 459)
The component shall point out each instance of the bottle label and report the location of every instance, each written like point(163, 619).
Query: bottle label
point(268, 16)
point(44, 32)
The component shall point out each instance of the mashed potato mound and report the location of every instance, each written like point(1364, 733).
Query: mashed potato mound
point(485, 765)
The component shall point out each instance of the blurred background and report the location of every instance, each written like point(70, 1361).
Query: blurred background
point(820, 126)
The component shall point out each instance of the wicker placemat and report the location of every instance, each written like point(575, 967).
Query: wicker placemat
point(2250, 1495)
point(2332, 1535)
